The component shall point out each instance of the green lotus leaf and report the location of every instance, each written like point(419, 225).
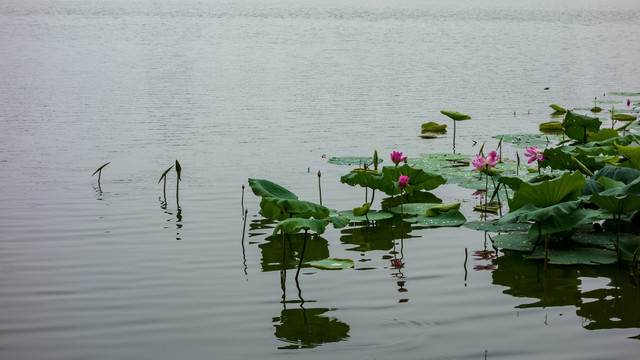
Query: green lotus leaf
point(550, 192)
point(512, 182)
point(455, 115)
point(605, 239)
point(623, 117)
point(529, 140)
point(337, 221)
point(602, 135)
point(332, 264)
point(576, 126)
point(428, 136)
point(608, 101)
point(557, 108)
point(363, 210)
point(619, 200)
point(625, 175)
point(452, 218)
point(266, 188)
point(433, 127)
point(515, 241)
point(413, 208)
point(609, 183)
point(622, 93)
point(577, 255)
point(394, 202)
point(295, 225)
point(564, 218)
point(633, 154)
point(371, 215)
point(103, 165)
point(595, 109)
point(352, 160)
point(418, 179)
point(493, 226)
point(270, 207)
point(591, 187)
point(441, 209)
point(551, 127)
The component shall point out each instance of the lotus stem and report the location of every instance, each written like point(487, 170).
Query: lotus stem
point(304, 245)
point(242, 200)
point(319, 187)
point(466, 256)
point(401, 203)
point(178, 171)
point(244, 257)
point(546, 249)
point(517, 163)
point(454, 136)
point(99, 172)
point(486, 190)
point(164, 190)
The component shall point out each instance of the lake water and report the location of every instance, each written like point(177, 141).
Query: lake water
point(264, 89)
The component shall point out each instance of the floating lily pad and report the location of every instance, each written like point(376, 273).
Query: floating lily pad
point(515, 241)
point(352, 160)
point(371, 215)
point(578, 255)
point(529, 140)
point(621, 93)
point(491, 226)
point(332, 264)
point(413, 208)
point(441, 209)
point(452, 218)
point(557, 108)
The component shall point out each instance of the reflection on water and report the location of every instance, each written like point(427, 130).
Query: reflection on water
point(279, 249)
point(307, 328)
point(614, 305)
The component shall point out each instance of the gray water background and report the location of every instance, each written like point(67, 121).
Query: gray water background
point(264, 89)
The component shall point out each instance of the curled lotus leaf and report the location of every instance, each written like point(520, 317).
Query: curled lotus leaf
point(441, 209)
point(550, 192)
point(266, 188)
point(557, 108)
point(295, 225)
point(455, 115)
point(623, 117)
point(271, 208)
point(434, 127)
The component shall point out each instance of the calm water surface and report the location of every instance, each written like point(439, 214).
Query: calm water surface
point(264, 89)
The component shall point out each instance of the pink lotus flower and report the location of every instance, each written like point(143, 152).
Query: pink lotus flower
point(628, 102)
point(403, 181)
point(486, 163)
point(534, 154)
point(397, 158)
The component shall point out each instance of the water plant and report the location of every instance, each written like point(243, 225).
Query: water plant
point(178, 171)
point(99, 172)
point(484, 164)
point(455, 116)
point(535, 154)
point(164, 186)
point(319, 187)
point(403, 181)
point(295, 225)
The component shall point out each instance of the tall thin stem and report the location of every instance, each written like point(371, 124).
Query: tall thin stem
point(319, 187)
point(304, 245)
